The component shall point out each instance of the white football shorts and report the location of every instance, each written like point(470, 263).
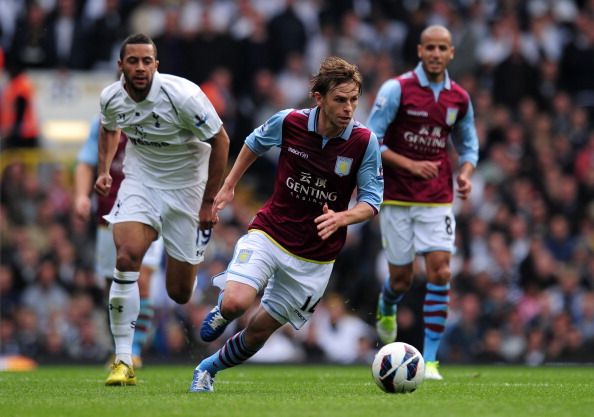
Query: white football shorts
point(292, 286)
point(410, 230)
point(172, 213)
point(105, 255)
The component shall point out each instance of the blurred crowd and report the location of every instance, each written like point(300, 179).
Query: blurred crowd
point(523, 287)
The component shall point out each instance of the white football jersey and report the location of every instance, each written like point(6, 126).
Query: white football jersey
point(166, 131)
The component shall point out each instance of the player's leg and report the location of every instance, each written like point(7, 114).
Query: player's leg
point(247, 274)
point(233, 301)
point(393, 290)
point(132, 240)
point(435, 308)
point(397, 236)
point(292, 289)
point(184, 243)
point(105, 261)
point(238, 349)
point(434, 237)
point(180, 279)
point(150, 263)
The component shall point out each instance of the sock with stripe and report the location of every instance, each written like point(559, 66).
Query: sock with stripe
point(435, 314)
point(234, 352)
point(389, 299)
point(143, 325)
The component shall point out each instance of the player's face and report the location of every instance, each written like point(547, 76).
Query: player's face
point(138, 66)
point(435, 52)
point(337, 108)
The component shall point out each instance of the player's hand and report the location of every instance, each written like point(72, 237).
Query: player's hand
point(464, 186)
point(328, 222)
point(82, 208)
point(207, 216)
point(103, 184)
point(223, 197)
point(425, 169)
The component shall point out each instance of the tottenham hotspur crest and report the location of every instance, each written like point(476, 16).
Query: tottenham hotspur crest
point(343, 166)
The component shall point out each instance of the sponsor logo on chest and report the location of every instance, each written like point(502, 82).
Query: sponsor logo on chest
point(417, 113)
point(307, 187)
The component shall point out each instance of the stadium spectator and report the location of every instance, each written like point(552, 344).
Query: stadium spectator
point(46, 296)
point(287, 35)
point(9, 297)
point(106, 30)
point(515, 77)
point(68, 33)
point(32, 46)
point(577, 62)
point(170, 45)
point(19, 124)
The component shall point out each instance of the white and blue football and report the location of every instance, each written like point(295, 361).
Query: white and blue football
point(398, 368)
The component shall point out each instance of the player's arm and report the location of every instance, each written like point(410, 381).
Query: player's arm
point(381, 116)
point(83, 185)
point(85, 173)
point(370, 189)
point(216, 167)
point(330, 221)
point(225, 195)
point(257, 143)
point(463, 180)
point(108, 145)
point(467, 145)
point(422, 169)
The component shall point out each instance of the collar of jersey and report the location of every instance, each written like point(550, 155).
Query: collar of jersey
point(312, 124)
point(424, 81)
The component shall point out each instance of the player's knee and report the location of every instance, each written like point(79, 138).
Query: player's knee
point(128, 261)
point(180, 296)
point(401, 283)
point(233, 306)
point(180, 291)
point(443, 274)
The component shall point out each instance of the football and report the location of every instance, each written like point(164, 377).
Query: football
point(398, 368)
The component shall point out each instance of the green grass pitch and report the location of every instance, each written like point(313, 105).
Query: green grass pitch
point(300, 391)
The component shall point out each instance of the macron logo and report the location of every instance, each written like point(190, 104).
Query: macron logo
point(298, 153)
point(419, 113)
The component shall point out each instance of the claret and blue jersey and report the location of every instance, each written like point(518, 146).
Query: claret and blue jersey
point(314, 170)
point(416, 118)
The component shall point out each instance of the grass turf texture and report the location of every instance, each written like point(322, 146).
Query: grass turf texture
point(300, 391)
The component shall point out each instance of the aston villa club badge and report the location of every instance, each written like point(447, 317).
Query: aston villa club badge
point(343, 166)
point(451, 116)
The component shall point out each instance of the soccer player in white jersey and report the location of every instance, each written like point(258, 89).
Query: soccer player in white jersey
point(295, 237)
point(105, 252)
point(175, 157)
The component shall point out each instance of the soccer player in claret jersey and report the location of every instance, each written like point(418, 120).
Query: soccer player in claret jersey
point(413, 116)
point(105, 252)
point(295, 237)
point(171, 178)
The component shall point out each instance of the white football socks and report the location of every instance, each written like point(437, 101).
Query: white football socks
point(124, 306)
